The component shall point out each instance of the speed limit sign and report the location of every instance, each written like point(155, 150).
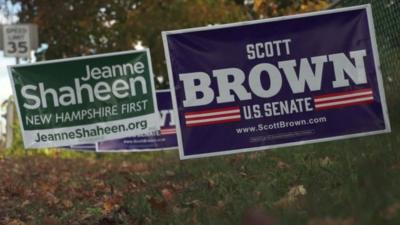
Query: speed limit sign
point(17, 40)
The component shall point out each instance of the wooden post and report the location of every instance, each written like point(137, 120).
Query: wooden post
point(9, 123)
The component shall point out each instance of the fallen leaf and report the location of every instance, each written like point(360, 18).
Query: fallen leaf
point(396, 165)
point(157, 203)
point(243, 174)
point(48, 188)
point(294, 194)
point(236, 158)
point(220, 205)
point(50, 221)
point(330, 221)
point(179, 210)
point(177, 187)
point(25, 203)
point(282, 165)
point(51, 199)
point(167, 194)
point(140, 167)
point(67, 204)
point(258, 216)
point(296, 191)
point(170, 173)
point(210, 183)
point(124, 164)
point(85, 216)
point(391, 211)
point(325, 162)
point(107, 221)
point(142, 180)
point(100, 185)
point(15, 222)
point(108, 206)
point(193, 204)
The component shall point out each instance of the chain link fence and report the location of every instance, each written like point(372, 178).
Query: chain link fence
point(387, 24)
point(386, 15)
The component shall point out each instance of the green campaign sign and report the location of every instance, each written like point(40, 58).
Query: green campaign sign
point(85, 99)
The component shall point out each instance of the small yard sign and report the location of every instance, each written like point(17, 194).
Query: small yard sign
point(85, 99)
point(277, 82)
point(163, 139)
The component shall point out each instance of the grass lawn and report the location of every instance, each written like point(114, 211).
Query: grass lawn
point(348, 182)
point(345, 182)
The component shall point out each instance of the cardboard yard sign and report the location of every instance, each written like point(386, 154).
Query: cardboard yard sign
point(277, 82)
point(85, 99)
point(163, 139)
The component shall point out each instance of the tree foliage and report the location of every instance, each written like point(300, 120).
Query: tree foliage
point(82, 27)
point(73, 28)
point(271, 8)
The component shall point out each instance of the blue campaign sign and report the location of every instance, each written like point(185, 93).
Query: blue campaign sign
point(164, 139)
point(276, 82)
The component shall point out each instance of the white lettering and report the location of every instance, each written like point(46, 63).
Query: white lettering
point(191, 89)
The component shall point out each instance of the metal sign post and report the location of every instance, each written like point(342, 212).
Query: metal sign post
point(17, 40)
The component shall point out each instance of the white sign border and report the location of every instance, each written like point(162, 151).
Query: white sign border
point(152, 83)
point(366, 7)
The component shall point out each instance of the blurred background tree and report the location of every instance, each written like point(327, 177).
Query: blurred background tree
point(77, 27)
point(272, 8)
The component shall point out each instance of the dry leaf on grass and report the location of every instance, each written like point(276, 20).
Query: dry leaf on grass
point(179, 210)
point(167, 194)
point(294, 194)
point(258, 216)
point(391, 211)
point(170, 173)
point(109, 205)
point(25, 203)
point(67, 204)
point(330, 221)
point(50, 221)
point(282, 165)
point(220, 205)
point(15, 222)
point(140, 167)
point(325, 162)
point(297, 191)
point(51, 199)
point(157, 203)
point(210, 183)
point(193, 203)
